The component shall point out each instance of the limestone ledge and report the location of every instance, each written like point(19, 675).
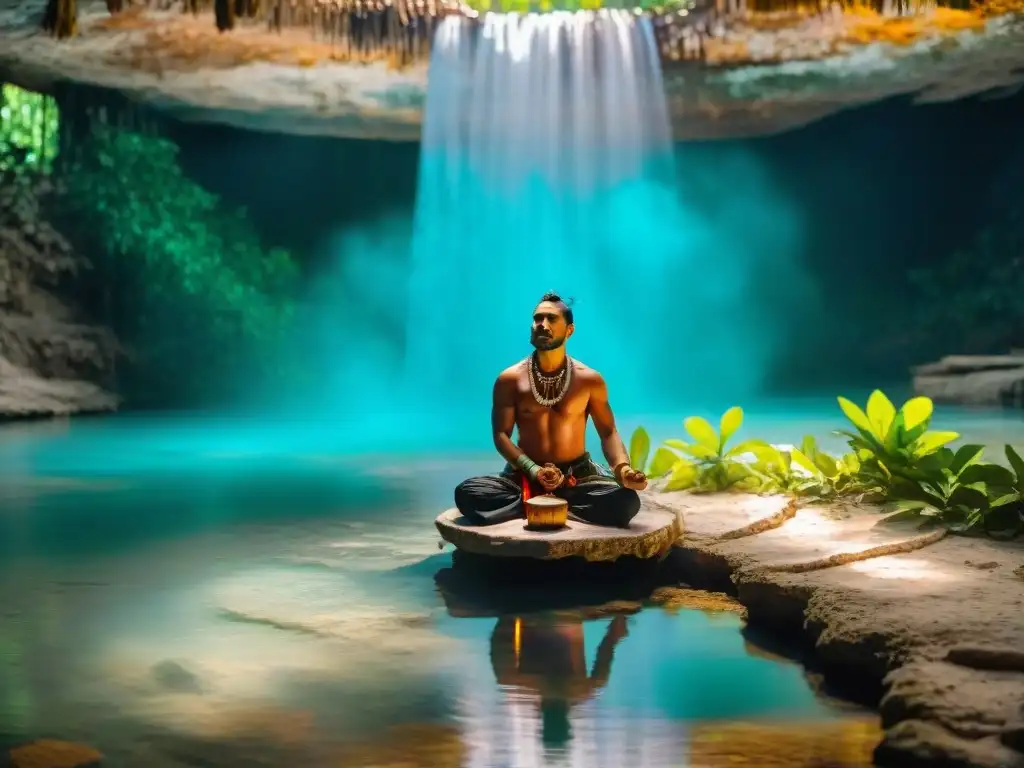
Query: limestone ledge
point(987, 380)
point(934, 623)
point(785, 77)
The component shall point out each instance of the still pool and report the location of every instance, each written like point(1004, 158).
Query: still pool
point(202, 593)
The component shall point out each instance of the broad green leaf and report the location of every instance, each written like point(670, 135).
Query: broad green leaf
point(678, 444)
point(701, 430)
point(1016, 462)
point(896, 437)
point(851, 463)
point(932, 441)
point(826, 463)
point(809, 445)
point(639, 448)
point(697, 451)
point(907, 510)
point(1002, 501)
point(961, 519)
point(972, 496)
point(804, 461)
point(662, 463)
point(916, 412)
point(731, 421)
point(990, 474)
point(683, 476)
point(964, 456)
point(856, 416)
point(734, 473)
point(917, 492)
point(756, 447)
point(909, 436)
point(880, 412)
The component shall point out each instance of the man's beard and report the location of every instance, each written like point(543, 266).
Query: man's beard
point(546, 343)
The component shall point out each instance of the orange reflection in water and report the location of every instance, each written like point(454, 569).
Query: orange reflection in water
point(848, 743)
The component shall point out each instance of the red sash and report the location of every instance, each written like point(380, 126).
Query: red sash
point(527, 487)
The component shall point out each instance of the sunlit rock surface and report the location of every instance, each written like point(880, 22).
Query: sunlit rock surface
point(759, 77)
point(932, 621)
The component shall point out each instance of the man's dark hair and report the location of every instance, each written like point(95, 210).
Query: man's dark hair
point(563, 305)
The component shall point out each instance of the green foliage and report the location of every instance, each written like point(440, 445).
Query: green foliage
point(889, 443)
point(894, 458)
point(705, 463)
point(196, 293)
point(29, 130)
point(810, 471)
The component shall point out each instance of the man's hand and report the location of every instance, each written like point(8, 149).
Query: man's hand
point(631, 478)
point(550, 477)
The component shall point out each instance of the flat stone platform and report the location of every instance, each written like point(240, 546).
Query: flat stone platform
point(650, 533)
point(934, 623)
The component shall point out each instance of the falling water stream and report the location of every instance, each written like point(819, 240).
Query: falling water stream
point(546, 163)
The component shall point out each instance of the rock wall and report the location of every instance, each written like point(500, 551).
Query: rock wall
point(52, 360)
point(990, 380)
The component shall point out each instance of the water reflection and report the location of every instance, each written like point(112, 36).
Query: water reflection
point(230, 615)
point(543, 656)
point(594, 676)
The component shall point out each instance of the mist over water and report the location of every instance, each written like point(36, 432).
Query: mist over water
point(547, 163)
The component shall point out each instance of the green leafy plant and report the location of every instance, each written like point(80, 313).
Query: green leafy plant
point(810, 471)
point(894, 459)
point(706, 462)
point(891, 443)
point(944, 487)
point(1006, 516)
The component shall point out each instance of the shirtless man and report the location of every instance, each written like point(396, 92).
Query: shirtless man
point(548, 397)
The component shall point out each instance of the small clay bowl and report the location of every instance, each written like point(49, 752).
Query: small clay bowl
point(546, 513)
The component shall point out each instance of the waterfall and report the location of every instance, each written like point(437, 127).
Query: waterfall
point(546, 165)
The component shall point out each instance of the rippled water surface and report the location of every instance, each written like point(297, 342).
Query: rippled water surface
point(205, 593)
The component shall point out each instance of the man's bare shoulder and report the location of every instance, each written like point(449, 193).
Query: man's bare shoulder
point(586, 374)
point(511, 374)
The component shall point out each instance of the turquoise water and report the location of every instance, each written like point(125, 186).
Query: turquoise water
point(198, 591)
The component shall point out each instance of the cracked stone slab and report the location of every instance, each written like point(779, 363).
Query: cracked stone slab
point(651, 532)
point(938, 630)
point(717, 516)
point(823, 537)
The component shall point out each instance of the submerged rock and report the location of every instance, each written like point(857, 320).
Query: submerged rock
point(50, 753)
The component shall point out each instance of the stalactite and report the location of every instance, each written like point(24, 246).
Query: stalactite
point(224, 15)
point(61, 18)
